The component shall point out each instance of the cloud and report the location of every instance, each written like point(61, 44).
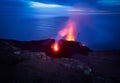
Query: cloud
point(43, 5)
point(48, 10)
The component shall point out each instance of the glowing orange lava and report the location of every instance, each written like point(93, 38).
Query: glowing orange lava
point(55, 47)
point(69, 31)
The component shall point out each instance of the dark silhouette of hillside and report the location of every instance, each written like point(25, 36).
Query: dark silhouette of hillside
point(20, 64)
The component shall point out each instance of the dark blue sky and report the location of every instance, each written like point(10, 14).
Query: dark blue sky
point(21, 21)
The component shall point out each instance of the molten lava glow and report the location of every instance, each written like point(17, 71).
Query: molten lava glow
point(70, 35)
point(69, 31)
point(55, 47)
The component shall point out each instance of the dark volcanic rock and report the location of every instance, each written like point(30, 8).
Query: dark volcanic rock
point(67, 48)
point(23, 66)
point(8, 53)
point(47, 70)
point(21, 63)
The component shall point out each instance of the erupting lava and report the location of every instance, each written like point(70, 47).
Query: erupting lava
point(69, 31)
point(55, 47)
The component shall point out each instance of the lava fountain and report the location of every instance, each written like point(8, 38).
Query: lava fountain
point(69, 32)
point(68, 46)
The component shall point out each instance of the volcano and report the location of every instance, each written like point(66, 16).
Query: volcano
point(68, 48)
point(65, 48)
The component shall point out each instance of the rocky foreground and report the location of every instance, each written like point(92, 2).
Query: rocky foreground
point(24, 66)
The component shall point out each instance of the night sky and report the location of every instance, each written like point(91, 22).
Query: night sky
point(98, 27)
